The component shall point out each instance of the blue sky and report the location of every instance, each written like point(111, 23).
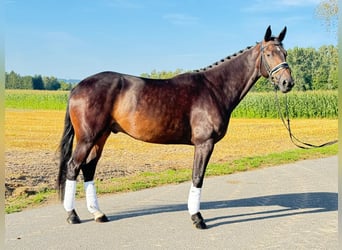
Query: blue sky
point(77, 38)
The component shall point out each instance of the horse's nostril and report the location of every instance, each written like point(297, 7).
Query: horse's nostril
point(287, 84)
point(284, 83)
point(290, 83)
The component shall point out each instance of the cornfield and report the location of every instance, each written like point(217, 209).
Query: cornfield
point(36, 100)
point(310, 104)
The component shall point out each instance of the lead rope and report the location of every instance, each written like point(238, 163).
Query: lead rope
point(294, 139)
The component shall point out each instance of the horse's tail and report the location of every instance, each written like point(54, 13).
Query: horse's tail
point(65, 153)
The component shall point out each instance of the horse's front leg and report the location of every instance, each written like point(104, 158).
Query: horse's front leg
point(202, 155)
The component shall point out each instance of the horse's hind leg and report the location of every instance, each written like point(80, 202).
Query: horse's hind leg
point(88, 171)
point(73, 169)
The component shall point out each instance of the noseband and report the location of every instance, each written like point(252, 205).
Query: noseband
point(271, 72)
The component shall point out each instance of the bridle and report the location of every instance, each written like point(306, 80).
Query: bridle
point(271, 72)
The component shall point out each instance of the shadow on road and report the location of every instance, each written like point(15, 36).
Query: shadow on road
point(291, 204)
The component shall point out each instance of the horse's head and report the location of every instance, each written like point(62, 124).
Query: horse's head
point(273, 61)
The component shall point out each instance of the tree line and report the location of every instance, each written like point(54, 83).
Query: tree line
point(312, 69)
point(14, 80)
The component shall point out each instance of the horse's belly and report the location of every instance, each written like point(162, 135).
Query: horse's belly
point(152, 118)
point(156, 129)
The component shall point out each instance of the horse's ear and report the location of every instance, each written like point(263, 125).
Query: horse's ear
point(282, 35)
point(268, 34)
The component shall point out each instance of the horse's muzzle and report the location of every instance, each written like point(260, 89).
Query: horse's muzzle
point(285, 85)
point(285, 82)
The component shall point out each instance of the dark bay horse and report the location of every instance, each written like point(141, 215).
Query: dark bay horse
point(191, 108)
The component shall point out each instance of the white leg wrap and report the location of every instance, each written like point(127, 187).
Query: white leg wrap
point(194, 200)
point(69, 195)
point(92, 204)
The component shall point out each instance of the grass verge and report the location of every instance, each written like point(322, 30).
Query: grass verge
point(18, 203)
point(145, 180)
point(151, 179)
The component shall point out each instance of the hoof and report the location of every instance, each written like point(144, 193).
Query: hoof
point(198, 221)
point(101, 219)
point(73, 217)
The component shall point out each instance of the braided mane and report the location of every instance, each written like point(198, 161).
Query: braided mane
point(228, 58)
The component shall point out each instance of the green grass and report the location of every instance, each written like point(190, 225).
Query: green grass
point(249, 163)
point(23, 201)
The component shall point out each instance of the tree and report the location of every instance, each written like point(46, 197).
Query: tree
point(12, 80)
point(332, 62)
point(65, 86)
point(323, 66)
point(27, 82)
point(328, 11)
point(51, 83)
point(37, 82)
point(314, 69)
point(162, 74)
point(301, 63)
point(15, 81)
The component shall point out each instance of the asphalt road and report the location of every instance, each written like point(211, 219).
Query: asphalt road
point(292, 206)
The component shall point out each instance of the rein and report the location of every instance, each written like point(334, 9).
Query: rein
point(286, 123)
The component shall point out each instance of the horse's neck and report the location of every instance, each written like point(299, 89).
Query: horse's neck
point(236, 77)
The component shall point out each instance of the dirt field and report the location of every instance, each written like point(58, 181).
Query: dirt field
point(32, 139)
